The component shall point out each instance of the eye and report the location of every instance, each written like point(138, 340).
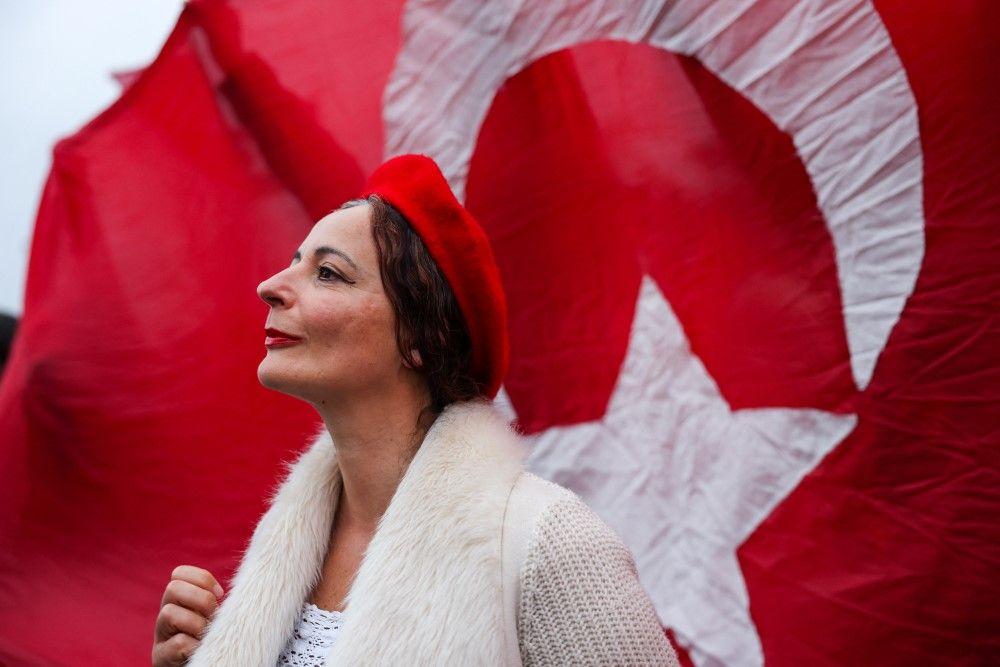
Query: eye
point(329, 275)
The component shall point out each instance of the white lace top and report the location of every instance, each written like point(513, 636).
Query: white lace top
point(316, 630)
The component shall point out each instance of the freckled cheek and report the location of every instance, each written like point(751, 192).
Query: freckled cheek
point(382, 324)
point(368, 328)
point(344, 328)
point(328, 328)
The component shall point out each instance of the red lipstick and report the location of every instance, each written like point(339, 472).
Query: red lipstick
point(278, 338)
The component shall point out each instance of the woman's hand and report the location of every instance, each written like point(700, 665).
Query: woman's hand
point(190, 600)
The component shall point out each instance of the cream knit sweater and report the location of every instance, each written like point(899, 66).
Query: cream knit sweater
point(581, 600)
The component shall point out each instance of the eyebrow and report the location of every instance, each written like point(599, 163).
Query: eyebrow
point(324, 250)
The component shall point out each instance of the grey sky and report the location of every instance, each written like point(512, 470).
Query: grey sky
point(56, 59)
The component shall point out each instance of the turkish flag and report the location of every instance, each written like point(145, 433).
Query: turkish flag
point(750, 252)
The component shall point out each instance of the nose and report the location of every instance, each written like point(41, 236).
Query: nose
point(274, 291)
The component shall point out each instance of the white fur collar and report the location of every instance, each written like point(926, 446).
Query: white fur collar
point(428, 590)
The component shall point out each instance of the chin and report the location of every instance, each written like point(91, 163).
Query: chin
point(275, 380)
point(271, 377)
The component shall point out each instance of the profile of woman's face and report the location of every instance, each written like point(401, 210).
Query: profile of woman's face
point(331, 298)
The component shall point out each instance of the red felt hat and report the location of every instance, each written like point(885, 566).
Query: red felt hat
point(415, 186)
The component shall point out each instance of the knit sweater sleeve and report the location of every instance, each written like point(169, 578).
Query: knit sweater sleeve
point(581, 600)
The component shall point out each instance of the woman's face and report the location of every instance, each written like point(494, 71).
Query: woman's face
point(332, 301)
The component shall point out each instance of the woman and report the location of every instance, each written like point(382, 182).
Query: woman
point(408, 531)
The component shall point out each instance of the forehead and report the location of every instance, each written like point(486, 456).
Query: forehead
point(346, 229)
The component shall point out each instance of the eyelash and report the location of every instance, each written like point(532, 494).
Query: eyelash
point(319, 272)
point(336, 276)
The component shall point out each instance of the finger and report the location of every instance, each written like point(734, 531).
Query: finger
point(175, 651)
point(195, 598)
point(199, 577)
point(174, 618)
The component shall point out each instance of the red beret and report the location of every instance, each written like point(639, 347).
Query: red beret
point(415, 186)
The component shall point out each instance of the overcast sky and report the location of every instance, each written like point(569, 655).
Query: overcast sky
point(56, 59)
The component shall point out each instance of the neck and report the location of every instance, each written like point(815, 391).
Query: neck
point(375, 438)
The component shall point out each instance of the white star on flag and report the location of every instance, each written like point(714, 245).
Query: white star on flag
point(684, 479)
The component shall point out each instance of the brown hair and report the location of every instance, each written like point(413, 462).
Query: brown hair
point(428, 318)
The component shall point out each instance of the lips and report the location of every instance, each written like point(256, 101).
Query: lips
point(277, 338)
point(278, 333)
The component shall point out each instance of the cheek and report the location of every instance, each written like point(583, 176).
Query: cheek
point(367, 327)
point(380, 328)
point(330, 323)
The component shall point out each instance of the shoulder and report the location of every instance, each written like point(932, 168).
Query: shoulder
point(580, 599)
point(531, 500)
point(543, 516)
point(562, 535)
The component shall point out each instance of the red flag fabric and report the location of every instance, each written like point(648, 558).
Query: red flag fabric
point(750, 256)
